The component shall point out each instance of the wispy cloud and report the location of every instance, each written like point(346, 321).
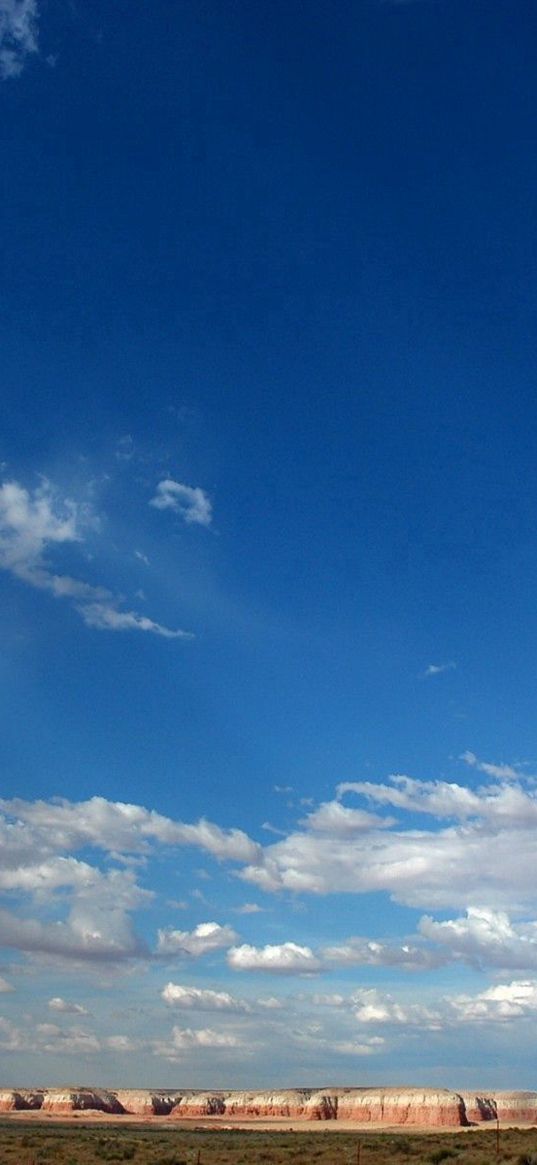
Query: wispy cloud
point(191, 502)
point(18, 35)
point(33, 525)
point(437, 669)
point(501, 772)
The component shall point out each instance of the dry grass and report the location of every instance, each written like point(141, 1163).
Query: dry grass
point(63, 1144)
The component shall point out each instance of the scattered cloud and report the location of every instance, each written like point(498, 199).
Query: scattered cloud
point(191, 502)
point(63, 1005)
point(334, 818)
point(437, 669)
point(73, 1040)
point(32, 525)
point(284, 958)
point(362, 952)
point(249, 908)
point(106, 617)
point(123, 1044)
point(188, 1040)
point(201, 999)
point(206, 937)
point(485, 938)
point(371, 1006)
point(18, 35)
point(5, 986)
point(125, 448)
point(500, 772)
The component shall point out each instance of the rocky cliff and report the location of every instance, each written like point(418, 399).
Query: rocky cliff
point(427, 1107)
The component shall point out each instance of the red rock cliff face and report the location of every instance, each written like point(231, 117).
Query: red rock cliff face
point(12, 1099)
point(479, 1108)
point(321, 1106)
point(200, 1104)
point(290, 1104)
point(516, 1106)
point(409, 1107)
point(393, 1106)
point(144, 1103)
point(76, 1100)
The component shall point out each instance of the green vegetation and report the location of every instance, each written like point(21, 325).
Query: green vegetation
point(65, 1144)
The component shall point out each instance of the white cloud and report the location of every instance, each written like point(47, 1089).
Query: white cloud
point(18, 35)
point(485, 938)
point(373, 1007)
point(334, 818)
point(33, 524)
point(66, 940)
point(53, 1038)
point(201, 999)
point(106, 617)
point(362, 952)
point(501, 772)
point(206, 937)
point(284, 958)
point(188, 1040)
point(248, 908)
point(11, 1037)
point(437, 669)
point(191, 502)
point(485, 852)
point(122, 1044)
point(5, 986)
point(42, 827)
point(63, 1005)
point(502, 1003)
point(352, 1048)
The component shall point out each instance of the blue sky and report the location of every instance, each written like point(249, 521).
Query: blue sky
point(268, 543)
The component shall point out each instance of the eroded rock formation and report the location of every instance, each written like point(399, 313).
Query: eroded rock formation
point(426, 1107)
point(76, 1100)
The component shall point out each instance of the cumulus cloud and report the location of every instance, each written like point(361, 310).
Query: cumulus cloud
point(502, 1003)
point(362, 952)
point(373, 1007)
point(191, 502)
point(479, 847)
point(206, 937)
point(122, 1044)
point(65, 1006)
point(52, 1038)
point(38, 844)
point(201, 999)
point(18, 35)
point(485, 938)
point(283, 958)
point(11, 1037)
point(334, 818)
point(32, 526)
point(189, 1040)
point(66, 940)
point(42, 827)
